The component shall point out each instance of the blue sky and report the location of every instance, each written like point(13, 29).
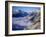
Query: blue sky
point(26, 9)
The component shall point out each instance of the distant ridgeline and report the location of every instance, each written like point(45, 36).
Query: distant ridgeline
point(22, 13)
